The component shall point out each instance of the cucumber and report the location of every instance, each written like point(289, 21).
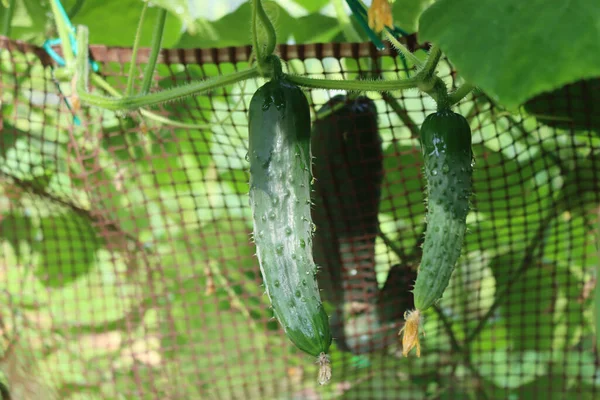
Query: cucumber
point(280, 181)
point(446, 149)
point(348, 167)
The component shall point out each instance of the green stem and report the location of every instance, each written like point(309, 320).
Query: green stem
point(63, 33)
point(403, 50)
point(391, 245)
point(134, 102)
point(344, 20)
point(8, 18)
point(362, 86)
point(460, 93)
point(431, 63)
point(136, 45)
point(101, 83)
point(258, 12)
point(271, 35)
point(436, 88)
point(157, 37)
point(257, 50)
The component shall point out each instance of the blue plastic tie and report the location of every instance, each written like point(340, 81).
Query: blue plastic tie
point(49, 43)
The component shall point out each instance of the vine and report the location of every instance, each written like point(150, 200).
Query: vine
point(425, 78)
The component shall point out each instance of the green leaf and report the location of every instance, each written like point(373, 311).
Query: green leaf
point(114, 23)
point(16, 228)
point(67, 249)
point(307, 29)
point(312, 5)
point(511, 369)
point(315, 28)
point(538, 306)
point(8, 138)
point(29, 20)
point(406, 13)
point(516, 49)
point(180, 8)
point(553, 386)
point(575, 106)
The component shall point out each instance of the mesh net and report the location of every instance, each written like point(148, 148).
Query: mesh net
point(128, 272)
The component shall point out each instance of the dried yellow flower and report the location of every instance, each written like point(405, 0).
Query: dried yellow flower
point(411, 332)
point(380, 15)
point(324, 369)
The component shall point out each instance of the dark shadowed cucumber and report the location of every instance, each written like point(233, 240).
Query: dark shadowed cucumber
point(348, 167)
point(280, 181)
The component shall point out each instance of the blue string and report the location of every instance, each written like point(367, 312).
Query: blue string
point(49, 43)
point(47, 46)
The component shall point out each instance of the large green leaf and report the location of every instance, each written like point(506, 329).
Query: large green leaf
point(29, 20)
point(180, 8)
point(67, 249)
point(310, 28)
point(407, 12)
point(312, 5)
point(16, 229)
point(516, 49)
point(575, 106)
point(537, 305)
point(511, 369)
point(114, 23)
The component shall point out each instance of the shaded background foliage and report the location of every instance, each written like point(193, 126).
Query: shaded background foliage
point(125, 253)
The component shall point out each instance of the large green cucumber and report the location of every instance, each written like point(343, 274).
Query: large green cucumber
point(446, 149)
point(280, 182)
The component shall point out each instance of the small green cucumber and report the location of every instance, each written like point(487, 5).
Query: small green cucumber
point(280, 183)
point(446, 149)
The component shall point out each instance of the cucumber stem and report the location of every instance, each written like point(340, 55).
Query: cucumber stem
point(403, 50)
point(460, 93)
point(134, 52)
point(157, 37)
point(361, 86)
point(134, 102)
point(258, 13)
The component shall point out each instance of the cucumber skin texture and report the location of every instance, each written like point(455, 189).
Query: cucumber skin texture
point(280, 181)
point(446, 148)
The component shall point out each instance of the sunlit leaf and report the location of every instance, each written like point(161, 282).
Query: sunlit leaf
point(526, 60)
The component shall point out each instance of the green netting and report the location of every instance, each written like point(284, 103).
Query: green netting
point(128, 272)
